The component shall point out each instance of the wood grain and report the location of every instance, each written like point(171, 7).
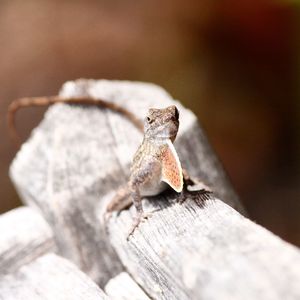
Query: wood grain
point(25, 235)
point(205, 250)
point(50, 277)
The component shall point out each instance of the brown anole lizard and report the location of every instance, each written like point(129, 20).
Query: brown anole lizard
point(155, 164)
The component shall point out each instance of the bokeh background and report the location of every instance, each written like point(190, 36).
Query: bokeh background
point(234, 63)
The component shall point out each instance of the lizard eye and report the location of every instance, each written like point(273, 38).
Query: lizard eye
point(149, 120)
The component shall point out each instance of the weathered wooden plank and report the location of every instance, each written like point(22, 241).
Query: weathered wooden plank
point(25, 235)
point(78, 155)
point(50, 277)
point(199, 250)
point(123, 287)
point(205, 250)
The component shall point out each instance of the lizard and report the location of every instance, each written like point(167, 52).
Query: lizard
point(155, 165)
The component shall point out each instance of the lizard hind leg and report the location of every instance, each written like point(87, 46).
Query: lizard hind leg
point(120, 201)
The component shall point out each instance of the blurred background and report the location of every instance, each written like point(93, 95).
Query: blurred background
point(236, 64)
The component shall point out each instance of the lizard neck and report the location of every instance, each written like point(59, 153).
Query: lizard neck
point(157, 140)
point(154, 146)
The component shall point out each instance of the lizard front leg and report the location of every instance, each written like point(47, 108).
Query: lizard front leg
point(140, 214)
point(146, 176)
point(123, 199)
point(137, 202)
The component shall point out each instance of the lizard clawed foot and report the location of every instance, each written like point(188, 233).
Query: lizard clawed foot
point(140, 217)
point(204, 194)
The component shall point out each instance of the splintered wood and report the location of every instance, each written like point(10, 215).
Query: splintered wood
point(70, 168)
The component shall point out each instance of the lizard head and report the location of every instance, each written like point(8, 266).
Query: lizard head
point(162, 123)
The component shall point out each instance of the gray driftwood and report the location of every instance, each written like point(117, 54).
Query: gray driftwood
point(50, 277)
point(206, 250)
point(24, 236)
point(77, 158)
point(123, 287)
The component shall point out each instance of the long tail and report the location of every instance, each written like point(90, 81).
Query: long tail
point(44, 101)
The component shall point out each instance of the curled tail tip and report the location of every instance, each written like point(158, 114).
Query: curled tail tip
point(10, 120)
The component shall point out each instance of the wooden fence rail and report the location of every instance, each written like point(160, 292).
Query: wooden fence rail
point(72, 165)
